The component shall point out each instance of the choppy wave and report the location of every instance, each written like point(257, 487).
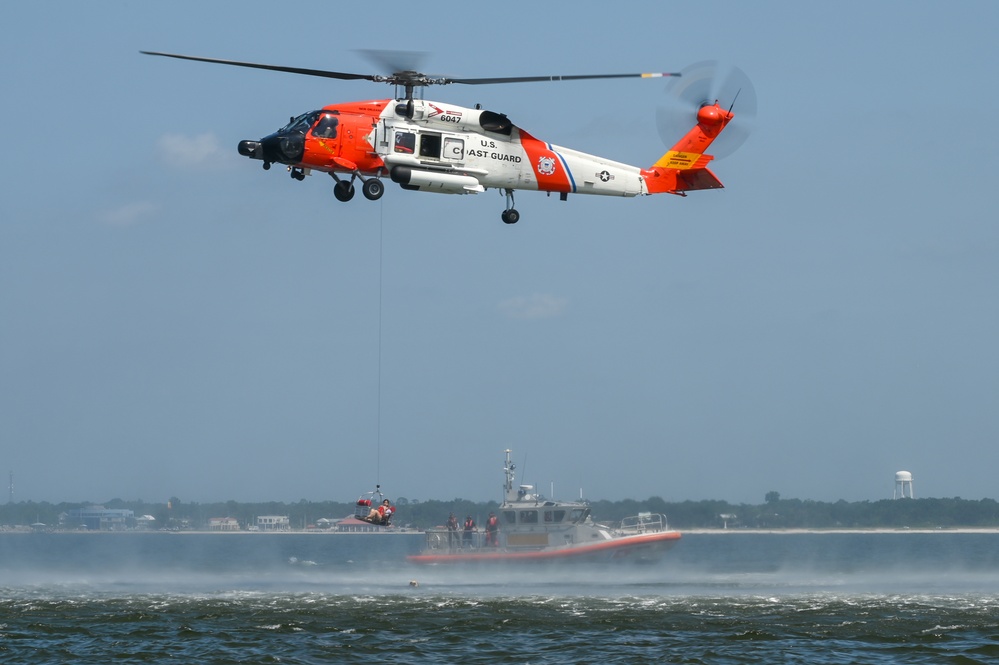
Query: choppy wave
point(315, 600)
point(431, 626)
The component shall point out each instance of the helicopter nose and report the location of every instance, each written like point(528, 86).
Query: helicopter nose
point(251, 149)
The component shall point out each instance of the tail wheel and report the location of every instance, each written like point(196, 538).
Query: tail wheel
point(373, 189)
point(343, 191)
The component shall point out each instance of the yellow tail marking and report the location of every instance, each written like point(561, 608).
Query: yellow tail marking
point(678, 160)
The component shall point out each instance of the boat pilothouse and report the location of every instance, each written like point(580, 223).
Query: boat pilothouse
point(531, 527)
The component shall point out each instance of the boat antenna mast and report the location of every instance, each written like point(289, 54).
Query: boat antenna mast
point(508, 470)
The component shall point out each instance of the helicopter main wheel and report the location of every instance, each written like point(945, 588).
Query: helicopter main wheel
point(373, 189)
point(343, 191)
point(509, 216)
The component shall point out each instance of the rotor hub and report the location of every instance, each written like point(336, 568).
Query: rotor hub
point(710, 116)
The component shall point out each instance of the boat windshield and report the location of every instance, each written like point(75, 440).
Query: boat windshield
point(579, 514)
point(528, 517)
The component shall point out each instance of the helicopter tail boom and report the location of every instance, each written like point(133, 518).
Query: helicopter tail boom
point(684, 166)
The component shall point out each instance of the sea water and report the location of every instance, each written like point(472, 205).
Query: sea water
point(319, 598)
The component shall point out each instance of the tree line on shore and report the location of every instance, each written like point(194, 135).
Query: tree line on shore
point(774, 513)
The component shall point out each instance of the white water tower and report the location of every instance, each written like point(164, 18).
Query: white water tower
point(903, 485)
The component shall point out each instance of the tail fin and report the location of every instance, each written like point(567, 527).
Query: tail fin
point(684, 167)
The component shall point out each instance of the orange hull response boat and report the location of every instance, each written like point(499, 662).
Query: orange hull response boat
point(530, 527)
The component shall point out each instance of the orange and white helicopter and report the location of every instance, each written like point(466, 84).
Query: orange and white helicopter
point(436, 147)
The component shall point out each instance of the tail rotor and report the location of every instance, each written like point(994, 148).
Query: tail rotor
point(706, 83)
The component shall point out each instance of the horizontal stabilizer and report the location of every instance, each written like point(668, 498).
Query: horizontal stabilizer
point(697, 179)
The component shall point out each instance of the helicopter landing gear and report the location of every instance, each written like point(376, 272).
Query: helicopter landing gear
point(373, 188)
point(510, 216)
point(343, 190)
point(296, 173)
point(267, 166)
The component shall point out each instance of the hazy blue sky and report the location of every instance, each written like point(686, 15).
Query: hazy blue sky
point(175, 321)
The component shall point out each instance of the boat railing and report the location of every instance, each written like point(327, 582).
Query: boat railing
point(446, 540)
point(644, 523)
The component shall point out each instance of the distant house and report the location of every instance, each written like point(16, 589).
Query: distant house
point(273, 523)
point(99, 518)
point(354, 525)
point(223, 524)
point(145, 523)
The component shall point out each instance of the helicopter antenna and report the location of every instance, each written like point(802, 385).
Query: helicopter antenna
point(732, 106)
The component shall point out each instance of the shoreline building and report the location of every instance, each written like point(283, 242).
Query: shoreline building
point(223, 524)
point(273, 523)
point(99, 518)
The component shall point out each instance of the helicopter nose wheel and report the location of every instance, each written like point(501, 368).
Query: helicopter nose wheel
point(373, 189)
point(510, 216)
point(343, 190)
point(298, 174)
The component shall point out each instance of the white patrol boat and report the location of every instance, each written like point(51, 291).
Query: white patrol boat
point(530, 527)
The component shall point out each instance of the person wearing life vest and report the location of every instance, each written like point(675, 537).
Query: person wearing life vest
point(382, 514)
point(492, 531)
point(469, 530)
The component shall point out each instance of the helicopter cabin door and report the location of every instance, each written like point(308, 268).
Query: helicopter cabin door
point(327, 134)
point(430, 145)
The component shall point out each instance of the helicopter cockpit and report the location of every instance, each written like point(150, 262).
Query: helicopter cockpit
point(287, 145)
point(300, 123)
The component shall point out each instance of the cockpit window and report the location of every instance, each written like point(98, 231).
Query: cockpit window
point(326, 129)
point(302, 123)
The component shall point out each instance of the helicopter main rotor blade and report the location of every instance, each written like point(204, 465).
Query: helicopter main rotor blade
point(408, 77)
point(275, 68)
point(571, 77)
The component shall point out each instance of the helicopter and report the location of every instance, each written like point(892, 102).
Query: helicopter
point(431, 146)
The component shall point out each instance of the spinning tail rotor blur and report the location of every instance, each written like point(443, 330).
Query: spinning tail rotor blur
point(706, 83)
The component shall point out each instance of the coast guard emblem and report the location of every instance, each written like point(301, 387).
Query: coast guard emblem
point(546, 166)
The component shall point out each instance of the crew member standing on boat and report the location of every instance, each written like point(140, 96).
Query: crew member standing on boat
point(469, 529)
point(492, 531)
point(452, 530)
